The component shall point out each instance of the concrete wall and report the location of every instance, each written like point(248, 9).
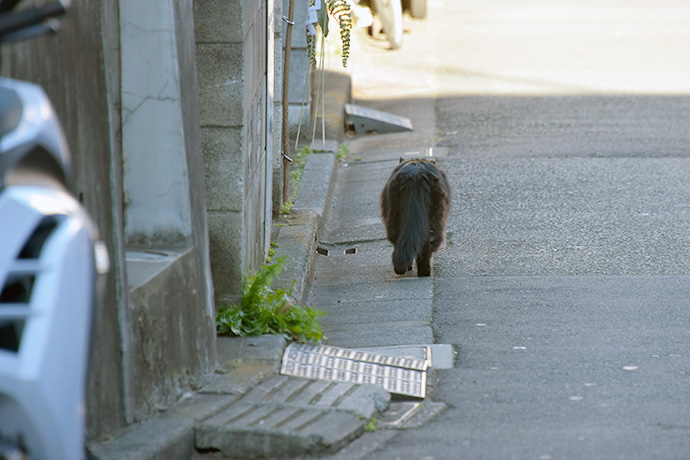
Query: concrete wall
point(126, 94)
point(300, 73)
point(171, 334)
point(232, 56)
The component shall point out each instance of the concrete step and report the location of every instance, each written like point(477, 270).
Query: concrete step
point(288, 417)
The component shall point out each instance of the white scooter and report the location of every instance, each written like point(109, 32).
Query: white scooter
point(50, 261)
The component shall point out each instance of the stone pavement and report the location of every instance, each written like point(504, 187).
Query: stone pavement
point(246, 409)
point(336, 251)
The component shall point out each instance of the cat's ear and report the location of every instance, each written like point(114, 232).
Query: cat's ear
point(401, 160)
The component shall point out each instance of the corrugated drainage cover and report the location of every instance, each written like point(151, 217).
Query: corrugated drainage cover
point(399, 375)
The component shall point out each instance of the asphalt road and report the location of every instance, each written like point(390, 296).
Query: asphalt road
point(565, 282)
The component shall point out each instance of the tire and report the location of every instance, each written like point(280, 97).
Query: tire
point(418, 9)
point(390, 14)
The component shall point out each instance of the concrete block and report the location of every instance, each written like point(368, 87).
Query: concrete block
point(338, 92)
point(255, 135)
point(234, 350)
point(366, 401)
point(300, 72)
point(227, 264)
point(267, 432)
point(221, 84)
point(255, 52)
point(277, 159)
point(218, 21)
point(169, 436)
point(297, 241)
point(277, 136)
point(287, 417)
point(226, 21)
point(377, 335)
point(315, 188)
point(245, 362)
point(299, 35)
point(254, 222)
point(156, 439)
point(198, 407)
point(224, 168)
point(162, 363)
point(278, 55)
point(253, 13)
point(277, 389)
point(295, 113)
point(238, 380)
point(361, 400)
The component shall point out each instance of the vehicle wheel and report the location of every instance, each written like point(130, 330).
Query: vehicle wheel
point(390, 14)
point(418, 9)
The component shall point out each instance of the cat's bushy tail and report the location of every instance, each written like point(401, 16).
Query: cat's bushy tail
point(414, 222)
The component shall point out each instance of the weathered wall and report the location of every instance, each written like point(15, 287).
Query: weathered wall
point(170, 334)
point(300, 73)
point(231, 49)
point(154, 328)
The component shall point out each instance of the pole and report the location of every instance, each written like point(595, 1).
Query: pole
point(285, 139)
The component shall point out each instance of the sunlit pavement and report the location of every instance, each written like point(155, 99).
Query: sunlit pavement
point(565, 278)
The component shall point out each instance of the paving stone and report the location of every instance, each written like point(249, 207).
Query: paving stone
point(279, 432)
point(362, 400)
point(381, 334)
point(155, 439)
point(353, 314)
point(286, 416)
point(315, 185)
point(233, 351)
point(398, 289)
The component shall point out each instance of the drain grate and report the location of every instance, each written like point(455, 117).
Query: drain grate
point(395, 374)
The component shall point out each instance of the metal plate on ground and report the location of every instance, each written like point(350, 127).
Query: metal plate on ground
point(400, 375)
point(366, 120)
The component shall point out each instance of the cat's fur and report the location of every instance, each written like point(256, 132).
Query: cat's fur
point(414, 206)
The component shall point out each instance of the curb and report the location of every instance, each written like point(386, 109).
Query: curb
point(297, 240)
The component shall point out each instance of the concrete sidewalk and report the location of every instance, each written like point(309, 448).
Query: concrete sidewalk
point(246, 409)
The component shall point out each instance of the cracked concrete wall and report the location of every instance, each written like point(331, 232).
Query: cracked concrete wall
point(157, 208)
point(232, 58)
point(154, 334)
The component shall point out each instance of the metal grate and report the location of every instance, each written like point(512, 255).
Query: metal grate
point(399, 375)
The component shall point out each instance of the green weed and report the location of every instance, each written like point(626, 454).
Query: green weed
point(297, 166)
point(371, 425)
point(286, 207)
point(343, 152)
point(264, 310)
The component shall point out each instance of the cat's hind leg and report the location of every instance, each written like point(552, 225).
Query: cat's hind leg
point(424, 261)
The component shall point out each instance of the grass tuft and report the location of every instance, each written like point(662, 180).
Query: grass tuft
point(264, 310)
